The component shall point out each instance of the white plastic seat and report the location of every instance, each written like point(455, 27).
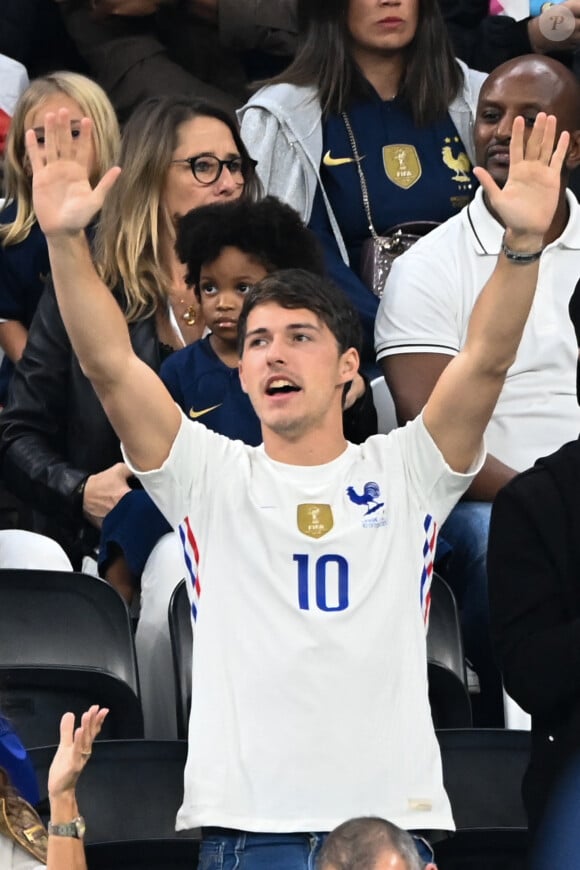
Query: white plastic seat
point(387, 417)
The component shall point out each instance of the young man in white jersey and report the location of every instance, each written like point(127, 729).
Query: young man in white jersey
point(308, 559)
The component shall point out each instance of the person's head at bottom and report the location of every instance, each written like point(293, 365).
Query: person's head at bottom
point(370, 844)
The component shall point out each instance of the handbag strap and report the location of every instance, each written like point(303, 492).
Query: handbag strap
point(361, 176)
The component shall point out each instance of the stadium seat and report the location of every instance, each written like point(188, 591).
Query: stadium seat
point(65, 643)
point(448, 692)
point(130, 791)
point(143, 855)
point(385, 407)
point(483, 771)
point(182, 647)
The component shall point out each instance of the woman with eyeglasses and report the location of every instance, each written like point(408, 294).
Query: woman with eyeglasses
point(58, 451)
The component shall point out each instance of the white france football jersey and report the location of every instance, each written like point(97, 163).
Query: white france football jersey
point(309, 589)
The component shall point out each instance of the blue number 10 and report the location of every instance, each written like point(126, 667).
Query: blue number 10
point(322, 582)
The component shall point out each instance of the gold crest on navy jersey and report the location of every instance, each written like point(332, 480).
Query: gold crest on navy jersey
point(315, 520)
point(402, 165)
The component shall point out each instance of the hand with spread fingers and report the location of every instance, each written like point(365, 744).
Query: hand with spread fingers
point(64, 200)
point(74, 750)
point(527, 202)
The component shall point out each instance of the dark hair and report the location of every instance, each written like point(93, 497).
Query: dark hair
point(296, 288)
point(359, 843)
point(267, 230)
point(431, 79)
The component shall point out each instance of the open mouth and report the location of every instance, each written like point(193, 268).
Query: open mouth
point(281, 386)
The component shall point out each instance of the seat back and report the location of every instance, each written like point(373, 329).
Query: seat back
point(444, 638)
point(182, 647)
point(65, 643)
point(384, 405)
point(130, 790)
point(483, 771)
point(448, 692)
point(143, 855)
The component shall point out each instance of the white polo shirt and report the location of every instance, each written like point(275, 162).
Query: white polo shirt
point(427, 304)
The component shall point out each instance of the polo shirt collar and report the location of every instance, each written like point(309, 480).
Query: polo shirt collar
point(486, 233)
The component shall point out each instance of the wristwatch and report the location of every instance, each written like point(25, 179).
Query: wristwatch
point(75, 829)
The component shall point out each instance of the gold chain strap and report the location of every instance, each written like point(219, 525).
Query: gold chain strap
point(362, 179)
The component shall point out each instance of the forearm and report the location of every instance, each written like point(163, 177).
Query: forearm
point(64, 853)
point(93, 320)
point(501, 311)
point(13, 335)
point(269, 25)
point(42, 478)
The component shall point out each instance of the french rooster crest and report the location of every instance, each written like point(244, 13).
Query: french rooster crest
point(370, 497)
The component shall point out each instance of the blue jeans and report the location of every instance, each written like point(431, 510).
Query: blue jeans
point(235, 850)
point(466, 531)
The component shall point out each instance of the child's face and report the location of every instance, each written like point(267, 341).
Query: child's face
point(223, 284)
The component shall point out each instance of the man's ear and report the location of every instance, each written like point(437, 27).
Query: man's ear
point(430, 866)
point(573, 153)
point(349, 364)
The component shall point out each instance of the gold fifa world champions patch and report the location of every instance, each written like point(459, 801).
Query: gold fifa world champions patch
point(315, 520)
point(402, 165)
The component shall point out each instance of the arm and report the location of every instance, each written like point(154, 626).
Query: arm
point(411, 378)
point(73, 752)
point(269, 25)
point(42, 462)
point(136, 402)
point(465, 395)
point(484, 41)
point(33, 423)
point(13, 337)
point(481, 40)
point(535, 639)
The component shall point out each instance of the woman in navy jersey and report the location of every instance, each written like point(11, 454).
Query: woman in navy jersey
point(386, 69)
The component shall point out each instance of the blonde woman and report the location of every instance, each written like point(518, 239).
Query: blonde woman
point(58, 450)
point(23, 254)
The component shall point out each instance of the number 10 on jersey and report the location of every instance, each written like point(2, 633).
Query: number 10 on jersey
point(323, 581)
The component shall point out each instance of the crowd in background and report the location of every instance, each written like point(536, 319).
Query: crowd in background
point(246, 149)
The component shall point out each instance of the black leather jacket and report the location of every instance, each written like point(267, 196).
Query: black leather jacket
point(53, 430)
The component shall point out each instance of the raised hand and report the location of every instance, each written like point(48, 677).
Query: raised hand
point(74, 750)
point(64, 200)
point(527, 202)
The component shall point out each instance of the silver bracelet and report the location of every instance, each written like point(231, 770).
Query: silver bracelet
point(520, 258)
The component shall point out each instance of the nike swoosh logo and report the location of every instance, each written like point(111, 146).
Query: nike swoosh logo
point(337, 161)
point(195, 414)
